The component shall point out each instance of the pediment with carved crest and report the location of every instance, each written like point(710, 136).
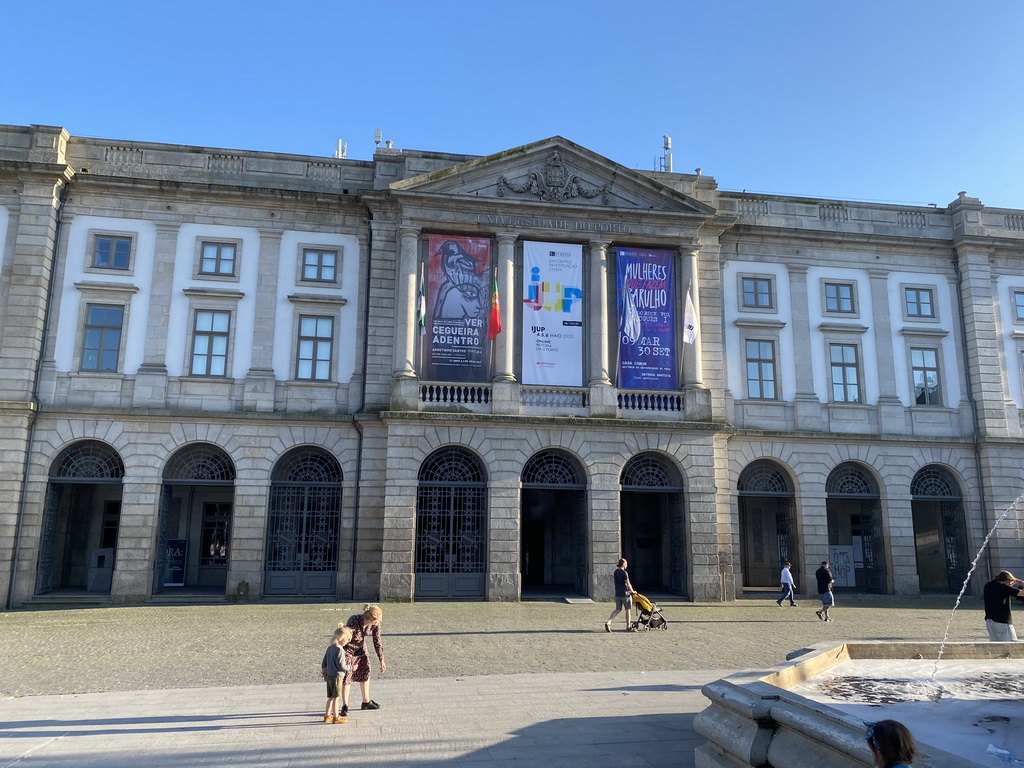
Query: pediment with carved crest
point(553, 171)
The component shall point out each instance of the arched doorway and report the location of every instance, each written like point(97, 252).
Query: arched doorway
point(81, 517)
point(193, 546)
point(553, 514)
point(303, 523)
point(653, 530)
point(768, 529)
point(940, 530)
point(451, 531)
point(855, 532)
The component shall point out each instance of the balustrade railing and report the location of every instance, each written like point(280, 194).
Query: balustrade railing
point(659, 402)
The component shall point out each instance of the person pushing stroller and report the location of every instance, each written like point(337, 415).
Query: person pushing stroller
point(623, 596)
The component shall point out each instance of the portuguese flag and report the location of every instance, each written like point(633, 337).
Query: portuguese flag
point(494, 325)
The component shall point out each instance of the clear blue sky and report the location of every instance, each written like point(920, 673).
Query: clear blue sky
point(894, 100)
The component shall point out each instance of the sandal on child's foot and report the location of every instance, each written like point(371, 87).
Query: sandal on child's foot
point(328, 719)
point(340, 720)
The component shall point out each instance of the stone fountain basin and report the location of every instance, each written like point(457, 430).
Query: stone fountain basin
point(763, 718)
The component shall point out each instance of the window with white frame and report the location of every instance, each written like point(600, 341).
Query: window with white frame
point(101, 341)
point(1018, 306)
point(319, 265)
point(761, 369)
point(844, 372)
point(840, 298)
point(315, 348)
point(111, 252)
point(218, 259)
point(757, 293)
point(210, 337)
point(919, 302)
point(924, 366)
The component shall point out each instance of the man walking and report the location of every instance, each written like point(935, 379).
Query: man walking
point(997, 595)
point(788, 585)
point(825, 582)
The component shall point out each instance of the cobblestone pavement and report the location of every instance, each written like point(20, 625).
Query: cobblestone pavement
point(202, 646)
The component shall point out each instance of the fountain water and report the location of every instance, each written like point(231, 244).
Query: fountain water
point(967, 579)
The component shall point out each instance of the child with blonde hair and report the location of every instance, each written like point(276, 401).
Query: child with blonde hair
point(335, 665)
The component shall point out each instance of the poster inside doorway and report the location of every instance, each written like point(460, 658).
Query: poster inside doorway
point(840, 558)
point(553, 314)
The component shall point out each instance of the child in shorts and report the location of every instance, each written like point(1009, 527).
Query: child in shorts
point(333, 668)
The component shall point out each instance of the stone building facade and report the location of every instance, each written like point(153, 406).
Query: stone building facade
point(214, 380)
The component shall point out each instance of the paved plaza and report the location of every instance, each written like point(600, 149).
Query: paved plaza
point(467, 683)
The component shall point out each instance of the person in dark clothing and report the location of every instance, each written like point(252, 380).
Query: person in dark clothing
point(825, 581)
point(623, 596)
point(997, 595)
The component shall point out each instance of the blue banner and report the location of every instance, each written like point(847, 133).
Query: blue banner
point(645, 289)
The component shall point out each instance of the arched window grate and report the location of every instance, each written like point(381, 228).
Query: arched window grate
point(764, 477)
point(88, 460)
point(451, 465)
point(200, 463)
point(649, 470)
point(850, 480)
point(935, 482)
point(307, 464)
point(552, 468)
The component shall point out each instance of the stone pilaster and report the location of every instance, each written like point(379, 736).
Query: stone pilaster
point(151, 378)
point(260, 383)
point(807, 407)
point(891, 412)
point(505, 391)
point(697, 397)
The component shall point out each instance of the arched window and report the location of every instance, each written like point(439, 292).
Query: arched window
point(850, 479)
point(763, 478)
point(88, 461)
point(553, 467)
point(200, 463)
point(649, 470)
point(935, 482)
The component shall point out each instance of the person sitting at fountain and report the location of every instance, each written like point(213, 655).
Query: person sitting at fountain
point(892, 744)
point(997, 595)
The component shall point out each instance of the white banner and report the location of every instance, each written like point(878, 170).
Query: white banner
point(553, 314)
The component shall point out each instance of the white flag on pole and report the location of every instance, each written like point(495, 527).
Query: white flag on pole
point(689, 321)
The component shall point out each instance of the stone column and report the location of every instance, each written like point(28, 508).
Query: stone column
point(505, 388)
point(693, 364)
point(151, 378)
point(405, 305)
point(132, 580)
point(260, 382)
point(504, 345)
point(603, 401)
point(696, 395)
point(598, 314)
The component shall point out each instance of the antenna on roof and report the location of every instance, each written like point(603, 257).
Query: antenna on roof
point(342, 152)
point(377, 136)
point(664, 163)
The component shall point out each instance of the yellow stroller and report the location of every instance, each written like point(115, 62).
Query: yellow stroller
point(650, 615)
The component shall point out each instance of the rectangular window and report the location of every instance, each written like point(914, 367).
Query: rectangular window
point(757, 292)
point(919, 302)
point(210, 343)
point(101, 345)
point(320, 266)
point(845, 380)
point(110, 252)
point(316, 340)
point(839, 297)
point(1018, 306)
point(760, 357)
point(217, 259)
point(924, 364)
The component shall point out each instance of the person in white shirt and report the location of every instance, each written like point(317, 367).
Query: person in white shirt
point(788, 585)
